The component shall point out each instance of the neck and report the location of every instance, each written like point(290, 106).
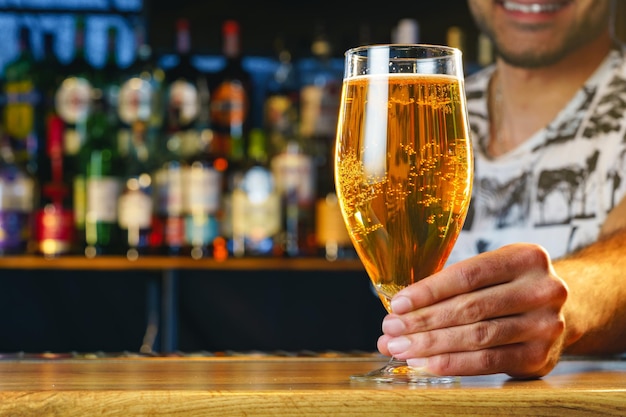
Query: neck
point(525, 100)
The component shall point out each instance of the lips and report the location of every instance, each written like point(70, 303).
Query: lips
point(535, 7)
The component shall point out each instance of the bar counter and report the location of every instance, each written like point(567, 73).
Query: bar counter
point(292, 386)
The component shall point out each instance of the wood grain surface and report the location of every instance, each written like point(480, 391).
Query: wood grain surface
point(157, 263)
point(284, 386)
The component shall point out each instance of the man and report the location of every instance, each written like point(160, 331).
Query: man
point(549, 128)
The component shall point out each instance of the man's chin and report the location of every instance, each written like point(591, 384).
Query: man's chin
point(530, 55)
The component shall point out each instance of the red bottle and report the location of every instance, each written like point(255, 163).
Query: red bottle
point(54, 220)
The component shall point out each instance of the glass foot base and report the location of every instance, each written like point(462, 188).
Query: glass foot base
point(398, 372)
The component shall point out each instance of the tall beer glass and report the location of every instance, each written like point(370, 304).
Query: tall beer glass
point(403, 169)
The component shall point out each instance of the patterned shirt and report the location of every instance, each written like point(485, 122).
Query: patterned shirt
point(557, 188)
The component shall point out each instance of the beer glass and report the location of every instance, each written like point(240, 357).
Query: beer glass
point(403, 169)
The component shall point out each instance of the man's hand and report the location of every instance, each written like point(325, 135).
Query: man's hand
point(500, 311)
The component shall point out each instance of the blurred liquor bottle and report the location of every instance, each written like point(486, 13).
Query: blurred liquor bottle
point(256, 211)
point(107, 80)
point(73, 98)
point(185, 131)
point(203, 171)
point(99, 161)
point(21, 102)
point(230, 114)
point(320, 96)
point(186, 97)
point(102, 164)
point(456, 37)
point(17, 202)
point(485, 53)
point(142, 92)
point(51, 74)
point(291, 160)
point(203, 186)
point(135, 203)
point(54, 220)
point(406, 31)
point(140, 115)
point(320, 93)
point(168, 201)
point(231, 98)
point(294, 172)
point(281, 105)
point(331, 234)
point(72, 104)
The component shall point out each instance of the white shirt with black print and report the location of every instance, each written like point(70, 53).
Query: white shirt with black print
point(557, 188)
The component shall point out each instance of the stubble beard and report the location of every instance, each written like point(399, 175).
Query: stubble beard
point(545, 55)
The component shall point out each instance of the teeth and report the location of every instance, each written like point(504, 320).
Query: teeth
point(531, 8)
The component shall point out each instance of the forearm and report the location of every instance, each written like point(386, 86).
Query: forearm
point(595, 311)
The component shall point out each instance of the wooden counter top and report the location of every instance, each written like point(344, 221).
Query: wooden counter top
point(158, 263)
point(286, 386)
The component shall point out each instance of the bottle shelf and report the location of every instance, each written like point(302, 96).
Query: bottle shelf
point(160, 263)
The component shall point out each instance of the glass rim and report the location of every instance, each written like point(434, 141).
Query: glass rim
point(445, 51)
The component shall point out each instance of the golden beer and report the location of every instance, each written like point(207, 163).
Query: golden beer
point(403, 171)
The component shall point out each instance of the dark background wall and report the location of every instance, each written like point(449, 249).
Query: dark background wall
point(107, 311)
point(298, 21)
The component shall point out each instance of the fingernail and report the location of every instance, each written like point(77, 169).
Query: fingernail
point(393, 326)
point(398, 345)
point(401, 305)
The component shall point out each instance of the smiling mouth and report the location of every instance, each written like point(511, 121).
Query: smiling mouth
point(514, 6)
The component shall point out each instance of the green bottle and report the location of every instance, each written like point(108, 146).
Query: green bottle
point(102, 172)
